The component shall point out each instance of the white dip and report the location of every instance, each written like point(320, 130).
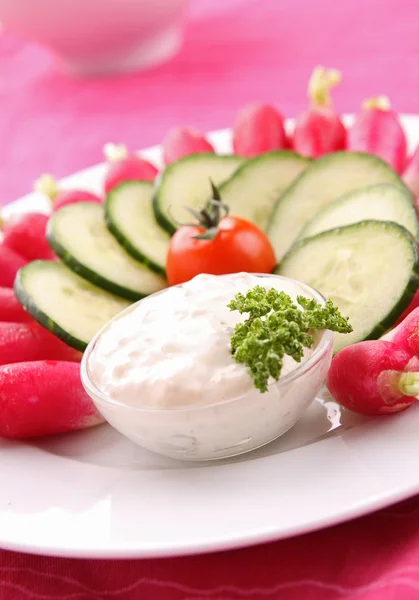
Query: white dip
point(172, 351)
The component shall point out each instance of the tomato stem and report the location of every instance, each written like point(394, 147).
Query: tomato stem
point(209, 217)
point(215, 210)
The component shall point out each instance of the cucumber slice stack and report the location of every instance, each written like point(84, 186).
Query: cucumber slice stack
point(252, 191)
point(130, 218)
point(325, 180)
point(186, 183)
point(78, 235)
point(384, 202)
point(370, 270)
point(69, 306)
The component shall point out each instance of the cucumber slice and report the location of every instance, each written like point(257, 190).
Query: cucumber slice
point(325, 180)
point(383, 202)
point(67, 305)
point(253, 189)
point(78, 235)
point(185, 183)
point(368, 269)
point(130, 218)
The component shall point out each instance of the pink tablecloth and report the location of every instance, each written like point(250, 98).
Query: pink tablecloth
point(374, 558)
point(235, 51)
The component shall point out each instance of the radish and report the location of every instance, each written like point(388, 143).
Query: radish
point(320, 130)
point(10, 263)
point(374, 377)
point(258, 128)
point(406, 334)
point(10, 308)
point(47, 186)
point(26, 235)
point(21, 342)
point(123, 166)
point(411, 173)
point(182, 141)
point(414, 304)
point(43, 398)
point(377, 130)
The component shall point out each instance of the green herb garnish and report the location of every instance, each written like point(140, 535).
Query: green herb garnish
point(275, 327)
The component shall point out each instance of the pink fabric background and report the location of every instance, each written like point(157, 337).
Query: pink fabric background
point(235, 51)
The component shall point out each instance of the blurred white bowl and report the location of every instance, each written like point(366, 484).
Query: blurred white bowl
point(94, 37)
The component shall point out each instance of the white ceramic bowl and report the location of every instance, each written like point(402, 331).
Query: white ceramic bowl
point(214, 431)
point(94, 37)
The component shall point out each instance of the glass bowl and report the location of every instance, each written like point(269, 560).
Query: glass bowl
point(221, 429)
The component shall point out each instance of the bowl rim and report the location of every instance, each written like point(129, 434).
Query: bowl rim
point(104, 399)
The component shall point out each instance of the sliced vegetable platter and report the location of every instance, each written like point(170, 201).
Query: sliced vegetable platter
point(313, 214)
point(103, 519)
point(324, 203)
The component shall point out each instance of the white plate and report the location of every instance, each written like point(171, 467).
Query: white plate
point(95, 494)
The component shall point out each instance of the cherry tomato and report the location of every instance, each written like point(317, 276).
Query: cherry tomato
point(238, 245)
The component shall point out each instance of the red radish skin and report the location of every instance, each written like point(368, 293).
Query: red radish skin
point(26, 235)
point(11, 310)
point(182, 141)
point(406, 334)
point(48, 186)
point(258, 128)
point(414, 304)
point(43, 398)
point(377, 130)
point(374, 377)
point(411, 174)
point(10, 263)
point(22, 342)
point(67, 197)
point(319, 130)
point(123, 166)
point(389, 335)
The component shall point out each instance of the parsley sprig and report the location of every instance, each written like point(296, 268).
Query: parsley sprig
point(277, 326)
